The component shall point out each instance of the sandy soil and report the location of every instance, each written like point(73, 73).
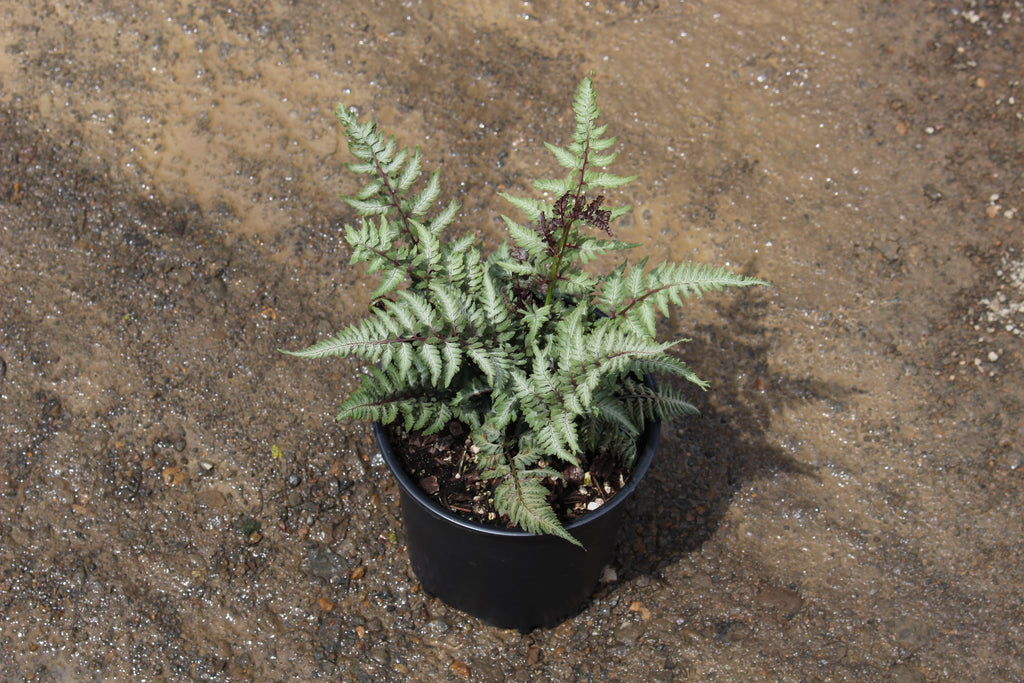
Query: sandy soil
point(176, 502)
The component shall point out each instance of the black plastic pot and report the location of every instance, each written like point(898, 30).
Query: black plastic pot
point(508, 577)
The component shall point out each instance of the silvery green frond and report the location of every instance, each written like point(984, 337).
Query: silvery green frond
point(537, 357)
point(647, 404)
point(524, 500)
point(636, 295)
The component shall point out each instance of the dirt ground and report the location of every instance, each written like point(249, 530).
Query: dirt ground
point(176, 502)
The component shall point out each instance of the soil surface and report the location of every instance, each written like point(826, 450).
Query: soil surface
point(176, 502)
point(437, 463)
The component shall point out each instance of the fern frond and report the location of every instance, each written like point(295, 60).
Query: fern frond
point(384, 396)
point(631, 292)
point(552, 427)
point(451, 353)
point(618, 211)
point(367, 339)
point(649, 404)
point(525, 502)
point(425, 199)
point(409, 174)
point(420, 310)
point(602, 160)
point(531, 208)
point(374, 206)
point(589, 248)
point(493, 305)
point(665, 364)
point(511, 344)
point(431, 357)
point(534, 318)
point(439, 222)
point(374, 243)
point(391, 280)
point(490, 457)
point(526, 238)
point(609, 181)
point(503, 410)
point(495, 364)
point(610, 409)
point(585, 111)
point(450, 304)
point(565, 158)
point(557, 188)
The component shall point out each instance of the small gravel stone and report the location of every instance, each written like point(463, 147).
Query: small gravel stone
point(912, 633)
point(786, 601)
point(629, 633)
point(933, 193)
point(380, 655)
point(217, 289)
point(327, 565)
point(733, 631)
point(833, 653)
point(437, 626)
point(890, 249)
point(461, 668)
point(170, 434)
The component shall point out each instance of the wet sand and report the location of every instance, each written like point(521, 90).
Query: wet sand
point(176, 502)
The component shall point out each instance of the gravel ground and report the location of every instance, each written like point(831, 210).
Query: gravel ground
point(176, 502)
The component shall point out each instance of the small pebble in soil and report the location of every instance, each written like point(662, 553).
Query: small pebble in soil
point(912, 633)
point(437, 626)
point(787, 602)
point(628, 633)
point(460, 668)
point(933, 193)
point(217, 289)
point(327, 565)
point(248, 525)
point(294, 480)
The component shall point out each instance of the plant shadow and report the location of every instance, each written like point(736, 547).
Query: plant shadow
point(703, 462)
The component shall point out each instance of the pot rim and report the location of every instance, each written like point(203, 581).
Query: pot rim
point(648, 445)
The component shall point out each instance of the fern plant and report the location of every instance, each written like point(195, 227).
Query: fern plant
point(538, 358)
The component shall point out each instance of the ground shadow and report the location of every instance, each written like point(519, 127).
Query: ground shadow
point(702, 463)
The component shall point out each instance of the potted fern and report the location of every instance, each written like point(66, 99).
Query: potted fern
point(512, 392)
